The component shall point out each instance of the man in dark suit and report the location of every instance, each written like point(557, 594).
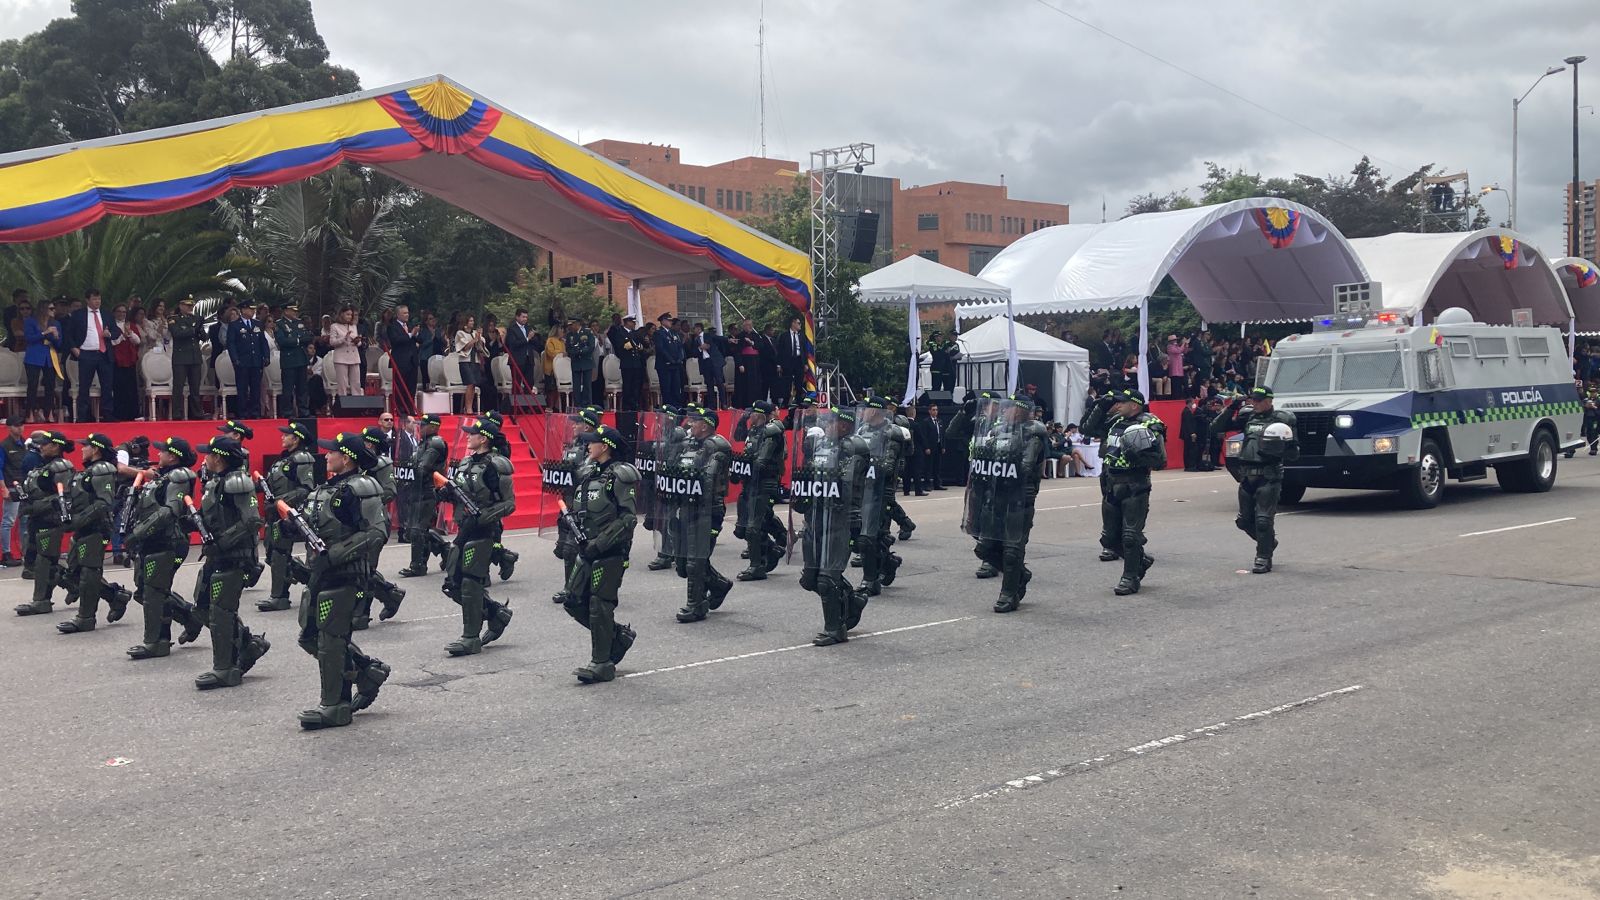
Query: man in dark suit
point(1193, 430)
point(249, 353)
point(89, 336)
point(520, 346)
point(791, 351)
point(931, 431)
point(405, 348)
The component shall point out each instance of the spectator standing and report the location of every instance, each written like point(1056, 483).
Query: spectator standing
point(43, 338)
point(185, 332)
point(90, 338)
point(294, 360)
point(344, 341)
point(469, 346)
point(580, 352)
point(746, 366)
point(520, 347)
point(125, 364)
point(713, 362)
point(669, 360)
point(248, 351)
point(555, 345)
point(933, 433)
point(405, 349)
point(631, 354)
point(791, 362)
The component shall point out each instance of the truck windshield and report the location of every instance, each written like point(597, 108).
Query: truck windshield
point(1308, 374)
point(1379, 371)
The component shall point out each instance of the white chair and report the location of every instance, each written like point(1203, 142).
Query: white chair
point(563, 367)
point(13, 376)
point(273, 386)
point(729, 371)
point(208, 381)
point(453, 383)
point(226, 386)
point(611, 368)
point(653, 378)
point(500, 371)
point(386, 381)
point(157, 369)
point(436, 372)
point(694, 382)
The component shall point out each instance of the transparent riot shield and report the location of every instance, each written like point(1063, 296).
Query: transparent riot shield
point(656, 432)
point(691, 482)
point(824, 480)
point(875, 428)
point(1006, 454)
point(558, 469)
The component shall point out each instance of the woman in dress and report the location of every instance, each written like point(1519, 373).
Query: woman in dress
point(469, 344)
point(43, 338)
point(125, 363)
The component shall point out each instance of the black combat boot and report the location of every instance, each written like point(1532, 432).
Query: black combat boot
point(1262, 566)
point(117, 600)
point(596, 672)
point(986, 570)
point(660, 562)
point(1109, 555)
point(905, 533)
point(496, 617)
point(368, 680)
point(508, 563)
point(621, 642)
point(75, 625)
point(693, 611)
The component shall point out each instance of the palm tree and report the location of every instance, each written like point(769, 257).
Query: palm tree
point(329, 241)
point(170, 255)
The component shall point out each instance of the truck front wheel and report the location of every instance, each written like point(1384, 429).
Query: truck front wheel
point(1424, 485)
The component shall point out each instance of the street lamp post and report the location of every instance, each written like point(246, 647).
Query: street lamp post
point(1577, 191)
point(1495, 187)
point(1515, 106)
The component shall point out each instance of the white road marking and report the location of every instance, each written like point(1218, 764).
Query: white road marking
point(1518, 527)
point(1104, 759)
point(725, 659)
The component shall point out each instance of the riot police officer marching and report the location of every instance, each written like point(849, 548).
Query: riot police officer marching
point(1132, 443)
point(42, 494)
point(343, 519)
point(89, 502)
point(421, 504)
point(759, 469)
point(828, 474)
point(1269, 441)
point(597, 533)
point(481, 493)
point(692, 487)
point(290, 480)
point(159, 540)
point(383, 590)
point(228, 522)
point(1007, 462)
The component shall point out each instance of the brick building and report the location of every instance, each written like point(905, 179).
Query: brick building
point(960, 224)
point(1587, 218)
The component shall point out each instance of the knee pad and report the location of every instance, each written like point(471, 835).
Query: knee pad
point(1244, 525)
point(808, 579)
point(1013, 555)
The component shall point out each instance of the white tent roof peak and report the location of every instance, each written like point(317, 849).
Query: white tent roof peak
point(1488, 272)
point(918, 278)
point(1260, 259)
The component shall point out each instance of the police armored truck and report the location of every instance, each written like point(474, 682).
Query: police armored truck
point(1382, 404)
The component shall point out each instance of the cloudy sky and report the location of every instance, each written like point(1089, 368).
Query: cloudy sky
point(976, 89)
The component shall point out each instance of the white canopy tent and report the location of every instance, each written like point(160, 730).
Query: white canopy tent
point(1488, 273)
point(915, 279)
point(1581, 279)
point(1249, 261)
point(991, 342)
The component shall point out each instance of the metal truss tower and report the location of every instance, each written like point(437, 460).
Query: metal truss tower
point(825, 168)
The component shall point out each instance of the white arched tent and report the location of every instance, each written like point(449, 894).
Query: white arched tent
point(1248, 261)
point(1581, 279)
point(915, 279)
point(1004, 341)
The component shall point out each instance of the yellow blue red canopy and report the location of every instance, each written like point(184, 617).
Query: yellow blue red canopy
point(432, 134)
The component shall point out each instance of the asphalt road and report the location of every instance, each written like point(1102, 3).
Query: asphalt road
point(1403, 709)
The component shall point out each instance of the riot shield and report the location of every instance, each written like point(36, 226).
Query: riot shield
point(999, 502)
point(823, 481)
point(691, 481)
point(874, 428)
point(656, 431)
point(558, 469)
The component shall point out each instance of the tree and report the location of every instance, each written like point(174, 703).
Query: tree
point(457, 259)
point(534, 291)
point(327, 242)
point(170, 256)
point(116, 66)
point(1148, 203)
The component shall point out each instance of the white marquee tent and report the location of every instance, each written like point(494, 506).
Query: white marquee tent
point(1255, 260)
point(915, 279)
point(1581, 278)
point(1489, 273)
point(988, 343)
